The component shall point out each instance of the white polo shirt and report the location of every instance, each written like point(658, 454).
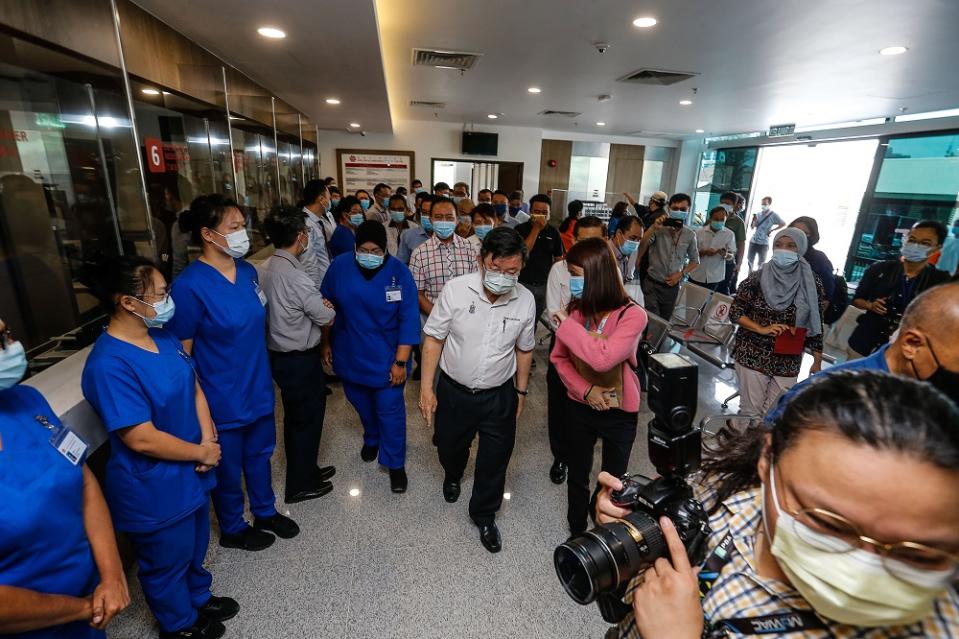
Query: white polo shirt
point(712, 268)
point(481, 336)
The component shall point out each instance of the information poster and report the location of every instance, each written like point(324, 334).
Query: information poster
point(364, 169)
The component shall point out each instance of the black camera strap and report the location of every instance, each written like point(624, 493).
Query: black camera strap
point(781, 623)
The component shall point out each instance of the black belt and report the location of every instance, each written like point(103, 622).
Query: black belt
point(308, 351)
point(472, 391)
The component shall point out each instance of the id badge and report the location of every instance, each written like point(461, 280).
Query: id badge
point(260, 294)
point(394, 294)
point(66, 442)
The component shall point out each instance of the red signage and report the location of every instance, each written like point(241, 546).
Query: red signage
point(155, 160)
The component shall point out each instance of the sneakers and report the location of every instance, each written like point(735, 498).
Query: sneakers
point(369, 453)
point(279, 524)
point(202, 628)
point(398, 480)
point(250, 539)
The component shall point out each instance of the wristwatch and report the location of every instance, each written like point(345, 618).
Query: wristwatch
point(399, 363)
point(524, 393)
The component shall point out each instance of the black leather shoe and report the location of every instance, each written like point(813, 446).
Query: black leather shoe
point(398, 480)
point(203, 628)
point(369, 453)
point(557, 474)
point(451, 491)
point(327, 472)
point(490, 538)
point(311, 493)
point(283, 526)
point(250, 539)
point(219, 608)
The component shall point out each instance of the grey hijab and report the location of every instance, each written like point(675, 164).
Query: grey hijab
point(783, 286)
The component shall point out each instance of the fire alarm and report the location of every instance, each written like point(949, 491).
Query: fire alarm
point(551, 164)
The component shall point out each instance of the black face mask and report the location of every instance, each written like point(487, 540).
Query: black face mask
point(945, 380)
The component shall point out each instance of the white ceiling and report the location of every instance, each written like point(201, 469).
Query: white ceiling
point(761, 62)
point(331, 50)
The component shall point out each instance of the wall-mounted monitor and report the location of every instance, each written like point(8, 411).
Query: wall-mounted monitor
point(480, 143)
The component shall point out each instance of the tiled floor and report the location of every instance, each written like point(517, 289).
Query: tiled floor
point(411, 566)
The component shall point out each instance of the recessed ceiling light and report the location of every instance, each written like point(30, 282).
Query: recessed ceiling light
point(492, 116)
point(355, 125)
point(600, 124)
point(271, 32)
point(895, 50)
point(685, 102)
point(645, 22)
point(700, 130)
point(354, 492)
point(332, 101)
point(534, 90)
point(150, 91)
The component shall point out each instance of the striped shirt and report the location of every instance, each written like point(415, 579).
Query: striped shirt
point(434, 263)
point(739, 592)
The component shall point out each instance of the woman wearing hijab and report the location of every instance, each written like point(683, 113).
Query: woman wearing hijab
point(818, 261)
point(779, 310)
point(377, 325)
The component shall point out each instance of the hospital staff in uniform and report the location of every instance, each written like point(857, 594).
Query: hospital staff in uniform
point(221, 321)
point(162, 447)
point(376, 327)
point(60, 572)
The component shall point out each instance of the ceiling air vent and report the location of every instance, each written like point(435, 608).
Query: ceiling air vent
point(656, 77)
point(562, 114)
point(445, 59)
point(427, 104)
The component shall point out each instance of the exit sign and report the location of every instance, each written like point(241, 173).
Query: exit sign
point(779, 130)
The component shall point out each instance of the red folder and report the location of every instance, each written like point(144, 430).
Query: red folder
point(789, 344)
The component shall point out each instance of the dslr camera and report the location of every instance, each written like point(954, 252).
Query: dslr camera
point(598, 565)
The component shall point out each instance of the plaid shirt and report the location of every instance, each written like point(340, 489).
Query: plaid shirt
point(739, 592)
point(434, 263)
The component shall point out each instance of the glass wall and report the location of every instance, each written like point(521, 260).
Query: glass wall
point(723, 170)
point(917, 178)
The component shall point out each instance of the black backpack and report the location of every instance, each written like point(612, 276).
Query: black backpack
point(839, 301)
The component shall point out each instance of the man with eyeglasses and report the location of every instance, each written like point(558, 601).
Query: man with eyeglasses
point(887, 287)
point(480, 334)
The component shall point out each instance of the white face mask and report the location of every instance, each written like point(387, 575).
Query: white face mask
point(850, 587)
point(237, 243)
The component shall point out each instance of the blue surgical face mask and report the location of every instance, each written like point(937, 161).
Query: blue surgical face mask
point(365, 204)
point(678, 215)
point(501, 209)
point(444, 228)
point(576, 284)
point(356, 219)
point(464, 219)
point(629, 247)
point(785, 257)
point(457, 199)
point(427, 223)
point(13, 365)
point(335, 202)
point(728, 207)
point(164, 312)
point(397, 216)
point(913, 252)
point(514, 210)
point(482, 230)
point(420, 189)
point(369, 261)
point(499, 283)
point(717, 226)
point(385, 202)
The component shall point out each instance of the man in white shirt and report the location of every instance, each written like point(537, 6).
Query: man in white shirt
point(717, 245)
point(400, 222)
point(484, 220)
point(557, 298)
point(316, 204)
point(381, 202)
point(480, 333)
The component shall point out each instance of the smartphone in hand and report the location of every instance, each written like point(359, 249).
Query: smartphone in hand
point(612, 399)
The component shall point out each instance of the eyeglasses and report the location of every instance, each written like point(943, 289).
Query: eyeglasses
point(834, 533)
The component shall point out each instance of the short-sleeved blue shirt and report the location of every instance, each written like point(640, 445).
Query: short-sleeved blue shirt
point(127, 386)
point(43, 543)
point(227, 323)
point(368, 328)
point(342, 241)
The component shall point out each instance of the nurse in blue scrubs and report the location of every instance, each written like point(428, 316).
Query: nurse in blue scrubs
point(348, 215)
point(376, 327)
point(221, 320)
point(162, 447)
point(60, 572)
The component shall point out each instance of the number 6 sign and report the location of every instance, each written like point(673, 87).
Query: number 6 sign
point(154, 151)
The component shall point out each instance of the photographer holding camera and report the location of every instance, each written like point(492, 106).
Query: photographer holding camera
point(810, 521)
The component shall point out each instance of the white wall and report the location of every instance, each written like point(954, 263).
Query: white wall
point(689, 154)
point(430, 140)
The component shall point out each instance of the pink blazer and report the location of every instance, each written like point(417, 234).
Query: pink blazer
point(622, 333)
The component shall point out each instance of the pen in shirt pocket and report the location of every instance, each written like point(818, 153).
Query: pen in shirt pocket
point(504, 325)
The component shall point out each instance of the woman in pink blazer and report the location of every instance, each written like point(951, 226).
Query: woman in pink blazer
point(595, 356)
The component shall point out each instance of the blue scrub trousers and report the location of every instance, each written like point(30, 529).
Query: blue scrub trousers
point(383, 414)
point(246, 453)
point(174, 581)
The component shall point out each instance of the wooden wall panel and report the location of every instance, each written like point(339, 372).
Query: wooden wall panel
point(625, 168)
point(84, 26)
point(554, 177)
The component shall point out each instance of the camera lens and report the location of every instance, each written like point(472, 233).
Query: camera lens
point(601, 559)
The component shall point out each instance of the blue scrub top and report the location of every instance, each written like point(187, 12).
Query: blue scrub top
point(343, 241)
point(368, 329)
point(127, 386)
point(43, 544)
point(227, 323)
